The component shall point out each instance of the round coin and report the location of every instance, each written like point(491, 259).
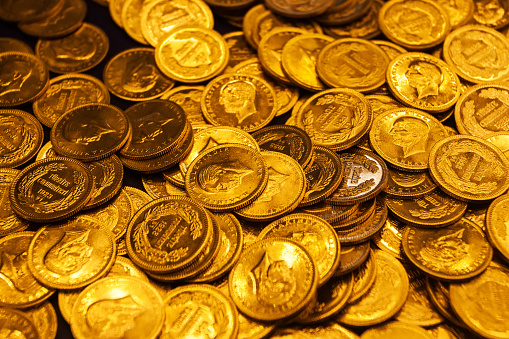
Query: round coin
point(497, 224)
point(28, 10)
point(14, 45)
point(189, 98)
point(299, 10)
point(10, 222)
point(352, 257)
point(17, 324)
point(108, 176)
point(396, 329)
point(408, 185)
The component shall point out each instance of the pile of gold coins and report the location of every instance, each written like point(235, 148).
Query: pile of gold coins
point(371, 213)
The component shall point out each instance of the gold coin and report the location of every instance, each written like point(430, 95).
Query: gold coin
point(243, 101)
point(492, 14)
point(24, 78)
point(29, 10)
point(133, 75)
point(404, 137)
point(284, 191)
point(456, 252)
point(112, 307)
point(352, 63)
point(481, 111)
point(10, 222)
point(66, 92)
point(274, 279)
point(328, 329)
point(449, 331)
point(336, 118)
point(484, 61)
point(459, 12)
point(415, 24)
point(198, 310)
point(108, 176)
point(344, 12)
point(391, 49)
point(501, 140)
point(408, 185)
point(364, 278)
point(21, 137)
point(478, 302)
point(239, 48)
point(60, 23)
point(189, 98)
point(130, 17)
point(175, 177)
point(352, 257)
point(17, 324)
point(439, 295)
point(423, 81)
point(71, 254)
point(137, 197)
point(90, 132)
point(497, 222)
point(51, 189)
point(115, 9)
point(168, 234)
point(191, 54)
point(79, 51)
point(330, 213)
point(14, 45)
point(157, 186)
point(384, 299)
point(435, 209)
point(469, 168)
point(248, 23)
point(45, 319)
point(389, 237)
point(46, 151)
point(362, 211)
point(396, 329)
point(18, 287)
point(299, 10)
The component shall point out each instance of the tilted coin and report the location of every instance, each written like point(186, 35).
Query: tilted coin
point(331, 213)
point(416, 24)
point(362, 212)
point(157, 186)
point(459, 12)
point(491, 14)
point(408, 185)
point(497, 224)
point(17, 324)
point(391, 49)
point(469, 168)
point(66, 92)
point(130, 17)
point(249, 22)
point(10, 222)
point(274, 279)
point(352, 63)
point(189, 98)
point(404, 137)
point(299, 10)
point(79, 51)
point(14, 45)
point(28, 11)
point(423, 81)
point(108, 175)
point(191, 54)
point(239, 49)
point(45, 319)
point(115, 9)
point(21, 137)
point(133, 75)
point(438, 292)
point(477, 54)
point(344, 12)
point(389, 237)
point(174, 176)
point(137, 197)
point(117, 306)
point(90, 132)
point(352, 257)
point(455, 252)
point(329, 329)
point(51, 189)
point(396, 329)
point(364, 278)
point(243, 101)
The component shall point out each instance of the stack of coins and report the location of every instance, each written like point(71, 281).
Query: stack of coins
point(297, 178)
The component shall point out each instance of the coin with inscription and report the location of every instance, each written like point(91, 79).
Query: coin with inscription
point(10, 222)
point(274, 279)
point(408, 185)
point(456, 252)
point(469, 168)
point(108, 175)
point(404, 137)
point(17, 324)
point(497, 224)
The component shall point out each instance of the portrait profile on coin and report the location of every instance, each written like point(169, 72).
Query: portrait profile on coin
point(112, 318)
point(14, 271)
point(13, 75)
point(70, 253)
point(447, 250)
point(425, 78)
point(411, 134)
point(85, 132)
point(13, 133)
point(76, 47)
point(222, 177)
point(238, 97)
point(140, 75)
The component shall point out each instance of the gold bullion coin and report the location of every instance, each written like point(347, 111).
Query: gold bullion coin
point(415, 24)
point(477, 54)
point(249, 22)
point(270, 51)
point(79, 51)
point(344, 12)
point(445, 329)
point(418, 309)
point(90, 132)
point(456, 252)
point(228, 177)
point(408, 185)
point(157, 186)
point(274, 279)
point(396, 329)
point(389, 237)
point(189, 98)
point(285, 189)
point(239, 100)
point(118, 307)
point(66, 92)
point(130, 17)
point(45, 319)
point(239, 48)
point(175, 177)
point(23, 78)
point(494, 14)
point(481, 111)
point(364, 278)
point(299, 58)
point(133, 75)
point(438, 292)
point(46, 151)
point(362, 212)
point(51, 189)
point(71, 254)
point(329, 329)
point(497, 223)
point(21, 137)
point(193, 311)
point(191, 54)
point(215, 136)
point(158, 126)
point(315, 234)
point(352, 257)
point(480, 304)
point(108, 175)
point(323, 175)
point(17, 324)
point(501, 140)
point(423, 82)
point(168, 234)
point(14, 45)
point(476, 213)
point(18, 287)
point(331, 213)
point(460, 12)
point(299, 10)
point(28, 10)
point(384, 299)
point(115, 9)
point(435, 209)
point(336, 118)
point(352, 63)
point(10, 222)
point(364, 176)
point(138, 197)
point(404, 137)
point(469, 168)
point(61, 23)
point(159, 17)
point(391, 49)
